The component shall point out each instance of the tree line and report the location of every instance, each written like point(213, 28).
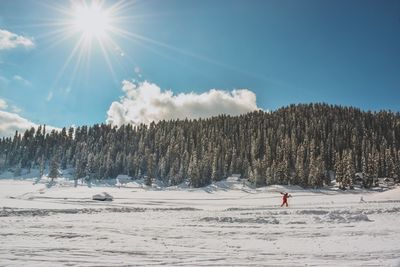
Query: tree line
point(305, 144)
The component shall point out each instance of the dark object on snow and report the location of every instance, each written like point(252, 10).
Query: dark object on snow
point(103, 197)
point(284, 198)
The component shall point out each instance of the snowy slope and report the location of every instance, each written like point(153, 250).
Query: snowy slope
point(219, 225)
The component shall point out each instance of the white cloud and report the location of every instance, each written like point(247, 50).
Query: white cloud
point(3, 104)
point(11, 122)
point(145, 102)
point(9, 40)
point(21, 80)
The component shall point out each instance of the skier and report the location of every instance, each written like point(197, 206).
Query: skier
point(285, 196)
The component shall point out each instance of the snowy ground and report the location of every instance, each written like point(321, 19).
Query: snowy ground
point(220, 225)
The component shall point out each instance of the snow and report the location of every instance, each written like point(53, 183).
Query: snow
point(123, 179)
point(224, 224)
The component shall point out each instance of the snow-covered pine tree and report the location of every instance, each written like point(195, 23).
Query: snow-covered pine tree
point(389, 164)
point(150, 171)
point(91, 167)
point(397, 167)
point(54, 165)
point(339, 171)
point(215, 171)
point(18, 170)
point(350, 172)
point(274, 138)
point(41, 166)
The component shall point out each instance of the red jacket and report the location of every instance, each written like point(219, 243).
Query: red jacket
point(285, 196)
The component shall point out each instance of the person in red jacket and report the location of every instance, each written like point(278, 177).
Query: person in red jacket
point(285, 196)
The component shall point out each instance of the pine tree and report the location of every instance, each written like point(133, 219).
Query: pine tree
point(389, 164)
point(349, 173)
point(376, 165)
point(41, 167)
point(54, 172)
point(150, 172)
point(193, 171)
point(258, 174)
point(339, 171)
point(297, 144)
point(91, 167)
point(215, 173)
point(300, 175)
point(313, 174)
point(397, 167)
point(364, 170)
point(18, 170)
point(368, 171)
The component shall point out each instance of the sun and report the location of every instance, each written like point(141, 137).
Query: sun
point(95, 29)
point(93, 25)
point(91, 20)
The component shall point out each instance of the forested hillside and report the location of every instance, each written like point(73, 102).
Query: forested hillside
point(299, 144)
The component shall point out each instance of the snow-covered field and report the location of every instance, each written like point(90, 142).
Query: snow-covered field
point(225, 224)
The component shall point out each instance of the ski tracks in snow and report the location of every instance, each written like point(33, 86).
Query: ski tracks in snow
point(181, 228)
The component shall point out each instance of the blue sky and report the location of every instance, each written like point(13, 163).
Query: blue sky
point(339, 52)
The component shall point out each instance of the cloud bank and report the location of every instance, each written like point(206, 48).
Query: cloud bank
point(11, 122)
point(146, 102)
point(9, 40)
point(3, 104)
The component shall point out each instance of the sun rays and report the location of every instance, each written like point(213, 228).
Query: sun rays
point(99, 31)
point(88, 25)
